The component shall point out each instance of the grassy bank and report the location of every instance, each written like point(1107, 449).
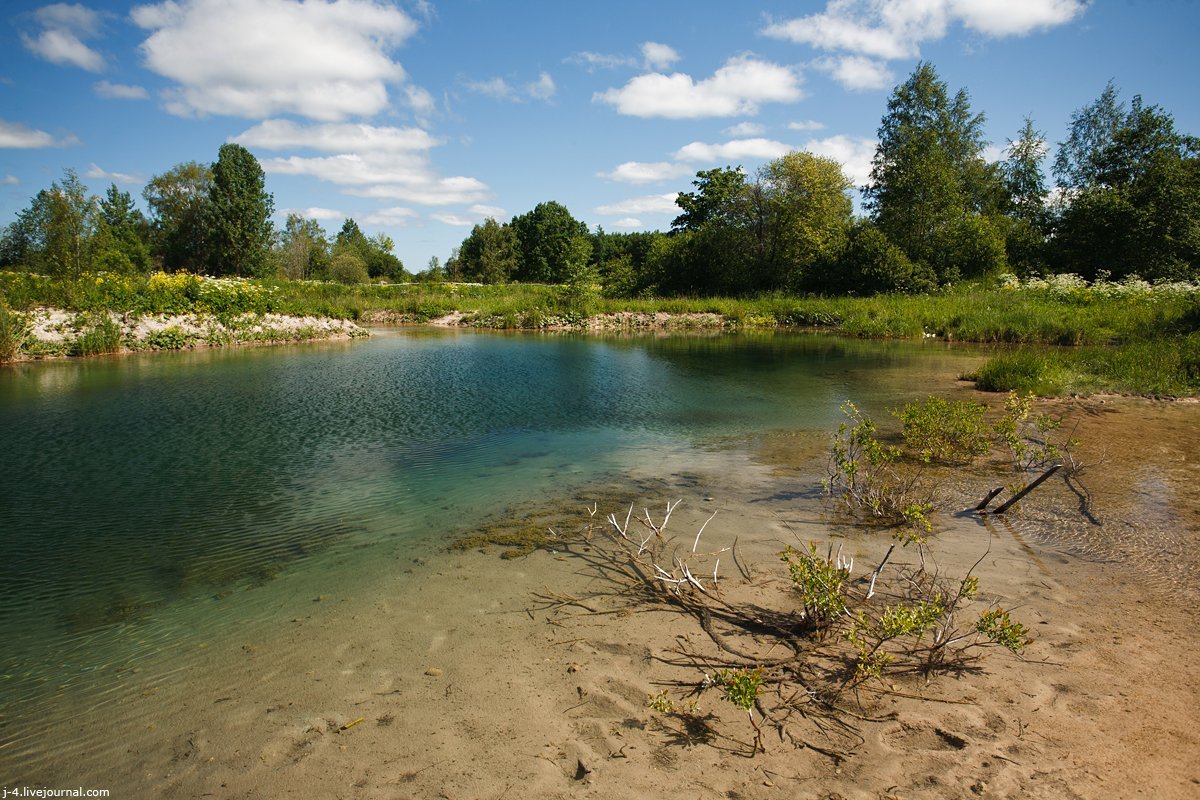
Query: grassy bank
point(1073, 337)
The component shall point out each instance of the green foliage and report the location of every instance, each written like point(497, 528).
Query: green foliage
point(99, 334)
point(179, 206)
point(740, 686)
point(239, 212)
point(946, 431)
point(490, 254)
point(14, 330)
point(348, 268)
point(864, 472)
point(1027, 370)
point(871, 264)
point(822, 585)
point(169, 338)
point(997, 626)
point(1031, 438)
point(545, 246)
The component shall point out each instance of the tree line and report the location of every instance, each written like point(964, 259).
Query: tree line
point(210, 219)
point(1126, 201)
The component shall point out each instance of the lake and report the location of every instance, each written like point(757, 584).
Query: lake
point(154, 506)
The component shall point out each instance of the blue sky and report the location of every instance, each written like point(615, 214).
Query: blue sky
point(420, 119)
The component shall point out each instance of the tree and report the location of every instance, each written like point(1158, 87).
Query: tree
point(239, 214)
point(929, 173)
point(1025, 201)
point(54, 235)
point(1076, 165)
point(303, 249)
point(713, 251)
point(381, 261)
point(179, 203)
point(489, 254)
point(121, 238)
point(544, 237)
point(809, 213)
point(1133, 204)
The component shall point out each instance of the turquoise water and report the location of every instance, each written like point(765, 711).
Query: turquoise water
point(140, 493)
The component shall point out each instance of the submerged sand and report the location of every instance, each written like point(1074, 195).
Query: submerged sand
point(460, 676)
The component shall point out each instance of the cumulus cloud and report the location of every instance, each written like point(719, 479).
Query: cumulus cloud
point(120, 91)
point(856, 72)
point(806, 125)
point(322, 59)
point(314, 212)
point(628, 223)
point(483, 212)
point(280, 134)
point(541, 89)
point(745, 129)
point(733, 150)
point(499, 89)
point(647, 204)
point(97, 173)
point(658, 55)
point(64, 27)
point(876, 30)
point(453, 219)
point(638, 172)
point(854, 153)
point(365, 160)
point(394, 216)
point(20, 136)
point(737, 88)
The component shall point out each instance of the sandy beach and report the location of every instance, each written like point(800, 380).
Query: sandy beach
point(464, 675)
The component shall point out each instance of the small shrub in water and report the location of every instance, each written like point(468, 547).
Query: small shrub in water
point(947, 431)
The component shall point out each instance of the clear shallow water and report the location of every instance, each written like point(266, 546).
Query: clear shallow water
point(153, 503)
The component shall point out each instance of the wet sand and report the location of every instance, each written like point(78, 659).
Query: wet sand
point(453, 679)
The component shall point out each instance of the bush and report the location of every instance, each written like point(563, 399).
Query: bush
point(949, 431)
point(348, 268)
point(14, 329)
point(101, 334)
point(871, 264)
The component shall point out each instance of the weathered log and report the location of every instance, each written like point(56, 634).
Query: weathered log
point(1036, 482)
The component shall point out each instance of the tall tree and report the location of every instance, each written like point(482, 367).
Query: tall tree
point(1077, 162)
point(489, 254)
point(239, 214)
point(930, 183)
point(544, 241)
point(1025, 201)
point(121, 240)
point(303, 249)
point(179, 202)
point(1139, 210)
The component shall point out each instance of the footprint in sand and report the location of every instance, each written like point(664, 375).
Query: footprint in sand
point(924, 737)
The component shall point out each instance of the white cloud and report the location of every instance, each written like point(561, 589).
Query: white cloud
point(541, 89)
point(394, 216)
point(737, 88)
point(857, 72)
point(419, 100)
point(628, 223)
point(313, 212)
point(496, 88)
point(9, 180)
point(894, 29)
point(647, 204)
point(637, 172)
point(429, 191)
point(593, 61)
point(499, 89)
point(281, 134)
point(453, 219)
point(366, 161)
point(992, 153)
point(61, 40)
point(745, 129)
point(806, 125)
point(854, 153)
point(255, 58)
point(97, 173)
point(120, 91)
point(733, 150)
point(18, 135)
point(1015, 17)
point(658, 55)
point(483, 212)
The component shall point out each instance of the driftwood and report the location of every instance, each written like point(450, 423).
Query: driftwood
point(1016, 497)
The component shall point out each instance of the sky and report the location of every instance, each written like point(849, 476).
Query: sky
point(420, 119)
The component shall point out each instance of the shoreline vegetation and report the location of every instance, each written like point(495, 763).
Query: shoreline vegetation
point(1064, 335)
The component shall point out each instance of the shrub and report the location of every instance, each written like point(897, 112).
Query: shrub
point(949, 431)
point(14, 330)
point(348, 268)
point(100, 334)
